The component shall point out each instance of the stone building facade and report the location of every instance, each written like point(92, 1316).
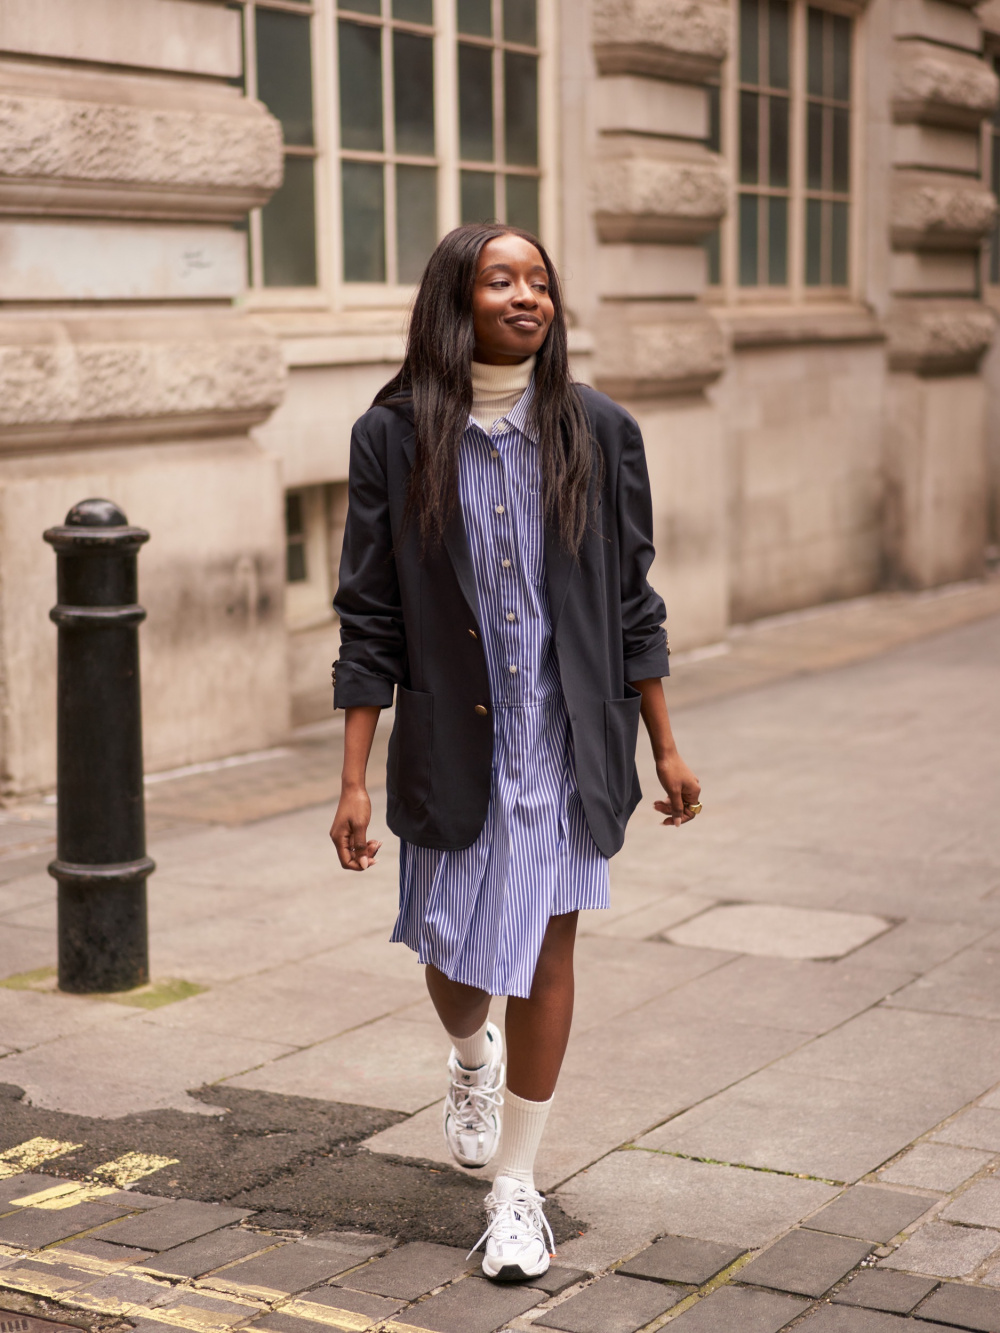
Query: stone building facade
point(776, 225)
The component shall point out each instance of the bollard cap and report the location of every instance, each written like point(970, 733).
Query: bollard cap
point(96, 514)
point(94, 524)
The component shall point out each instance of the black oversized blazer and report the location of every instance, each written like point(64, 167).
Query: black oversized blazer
point(411, 622)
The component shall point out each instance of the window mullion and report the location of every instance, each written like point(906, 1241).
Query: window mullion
point(500, 181)
point(797, 151)
point(446, 114)
point(389, 141)
point(254, 227)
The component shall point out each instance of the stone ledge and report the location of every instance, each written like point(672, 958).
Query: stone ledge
point(652, 350)
point(652, 193)
point(681, 39)
point(800, 327)
point(934, 85)
point(71, 156)
point(90, 380)
point(939, 337)
point(930, 210)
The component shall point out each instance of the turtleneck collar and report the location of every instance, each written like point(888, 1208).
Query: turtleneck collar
point(497, 389)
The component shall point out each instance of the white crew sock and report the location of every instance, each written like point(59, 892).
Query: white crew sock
point(474, 1051)
point(523, 1123)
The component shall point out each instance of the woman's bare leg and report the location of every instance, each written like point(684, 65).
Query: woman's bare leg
point(538, 1028)
point(462, 1009)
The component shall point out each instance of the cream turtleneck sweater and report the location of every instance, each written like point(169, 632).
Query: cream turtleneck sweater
point(496, 389)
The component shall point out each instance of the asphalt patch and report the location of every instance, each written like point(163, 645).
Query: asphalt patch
point(296, 1160)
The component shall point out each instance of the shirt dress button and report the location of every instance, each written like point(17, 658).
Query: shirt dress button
point(505, 563)
point(511, 616)
point(494, 453)
point(499, 509)
point(481, 710)
point(512, 669)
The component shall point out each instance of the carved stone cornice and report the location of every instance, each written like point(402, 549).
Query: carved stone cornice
point(104, 378)
point(649, 191)
point(656, 349)
point(932, 210)
point(672, 39)
point(66, 156)
point(938, 337)
point(936, 85)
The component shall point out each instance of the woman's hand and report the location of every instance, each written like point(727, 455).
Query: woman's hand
point(349, 831)
point(681, 786)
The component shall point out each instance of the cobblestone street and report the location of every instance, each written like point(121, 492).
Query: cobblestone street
point(781, 1103)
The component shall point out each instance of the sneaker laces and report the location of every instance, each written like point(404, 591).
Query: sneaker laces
point(474, 1103)
point(522, 1210)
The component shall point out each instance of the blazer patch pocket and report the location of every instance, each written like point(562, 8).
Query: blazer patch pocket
point(621, 730)
point(410, 746)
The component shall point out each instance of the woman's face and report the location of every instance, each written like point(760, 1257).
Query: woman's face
point(511, 304)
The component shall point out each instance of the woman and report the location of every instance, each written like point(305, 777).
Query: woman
point(494, 575)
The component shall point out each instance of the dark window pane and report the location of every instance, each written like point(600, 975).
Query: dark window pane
point(413, 92)
point(778, 43)
point(777, 242)
point(416, 219)
point(520, 104)
point(413, 11)
point(814, 146)
point(841, 149)
point(284, 72)
point(363, 190)
point(295, 523)
point(475, 102)
point(295, 562)
point(815, 84)
point(749, 41)
point(995, 244)
point(841, 57)
point(475, 17)
point(748, 240)
point(778, 142)
point(520, 22)
point(522, 202)
point(362, 6)
point(838, 245)
point(478, 196)
point(814, 243)
point(749, 138)
point(713, 250)
point(360, 86)
point(288, 223)
point(714, 140)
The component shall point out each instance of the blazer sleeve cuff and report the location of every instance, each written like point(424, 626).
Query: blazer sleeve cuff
point(648, 665)
point(354, 687)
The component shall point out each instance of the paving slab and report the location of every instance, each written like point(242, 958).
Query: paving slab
point(940, 1250)
point(99, 1255)
point(805, 1263)
point(935, 1166)
point(840, 1319)
point(411, 1271)
point(917, 946)
point(774, 931)
point(331, 1303)
point(879, 1289)
point(868, 1213)
point(611, 1305)
point(207, 1314)
point(197, 1257)
point(178, 1221)
point(969, 983)
point(804, 1124)
point(649, 918)
point(25, 1182)
point(963, 1307)
point(41, 1278)
point(682, 1259)
point(473, 1306)
point(671, 1195)
point(978, 1206)
point(120, 1293)
point(557, 1279)
point(32, 1228)
point(286, 1271)
point(744, 1308)
point(975, 1128)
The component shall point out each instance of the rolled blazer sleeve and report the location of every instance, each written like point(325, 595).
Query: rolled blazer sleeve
point(644, 639)
point(372, 640)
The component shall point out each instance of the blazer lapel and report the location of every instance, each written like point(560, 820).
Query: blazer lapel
point(559, 568)
point(456, 543)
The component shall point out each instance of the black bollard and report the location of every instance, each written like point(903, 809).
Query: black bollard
point(101, 861)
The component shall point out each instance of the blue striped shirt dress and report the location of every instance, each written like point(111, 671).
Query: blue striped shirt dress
point(479, 914)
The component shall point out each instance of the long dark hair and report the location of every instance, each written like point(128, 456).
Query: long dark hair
point(437, 376)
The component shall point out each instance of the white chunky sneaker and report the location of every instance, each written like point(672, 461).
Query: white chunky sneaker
point(472, 1107)
point(518, 1238)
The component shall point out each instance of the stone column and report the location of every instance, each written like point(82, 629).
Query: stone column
point(657, 192)
point(127, 159)
point(940, 212)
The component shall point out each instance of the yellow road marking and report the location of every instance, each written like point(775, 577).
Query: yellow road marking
point(33, 1152)
point(347, 1320)
point(132, 1166)
point(195, 1318)
point(122, 1171)
point(35, 1283)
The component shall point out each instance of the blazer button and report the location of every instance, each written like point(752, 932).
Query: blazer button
point(481, 710)
point(473, 633)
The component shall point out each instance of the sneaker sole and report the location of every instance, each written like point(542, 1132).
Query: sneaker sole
point(513, 1273)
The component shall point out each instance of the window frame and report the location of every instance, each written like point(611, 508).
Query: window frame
point(795, 293)
point(331, 292)
point(989, 140)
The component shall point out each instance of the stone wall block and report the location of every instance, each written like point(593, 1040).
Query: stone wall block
point(939, 337)
point(130, 160)
point(938, 86)
point(684, 39)
point(933, 210)
point(649, 196)
point(656, 349)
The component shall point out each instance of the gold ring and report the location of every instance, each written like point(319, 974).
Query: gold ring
point(694, 809)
